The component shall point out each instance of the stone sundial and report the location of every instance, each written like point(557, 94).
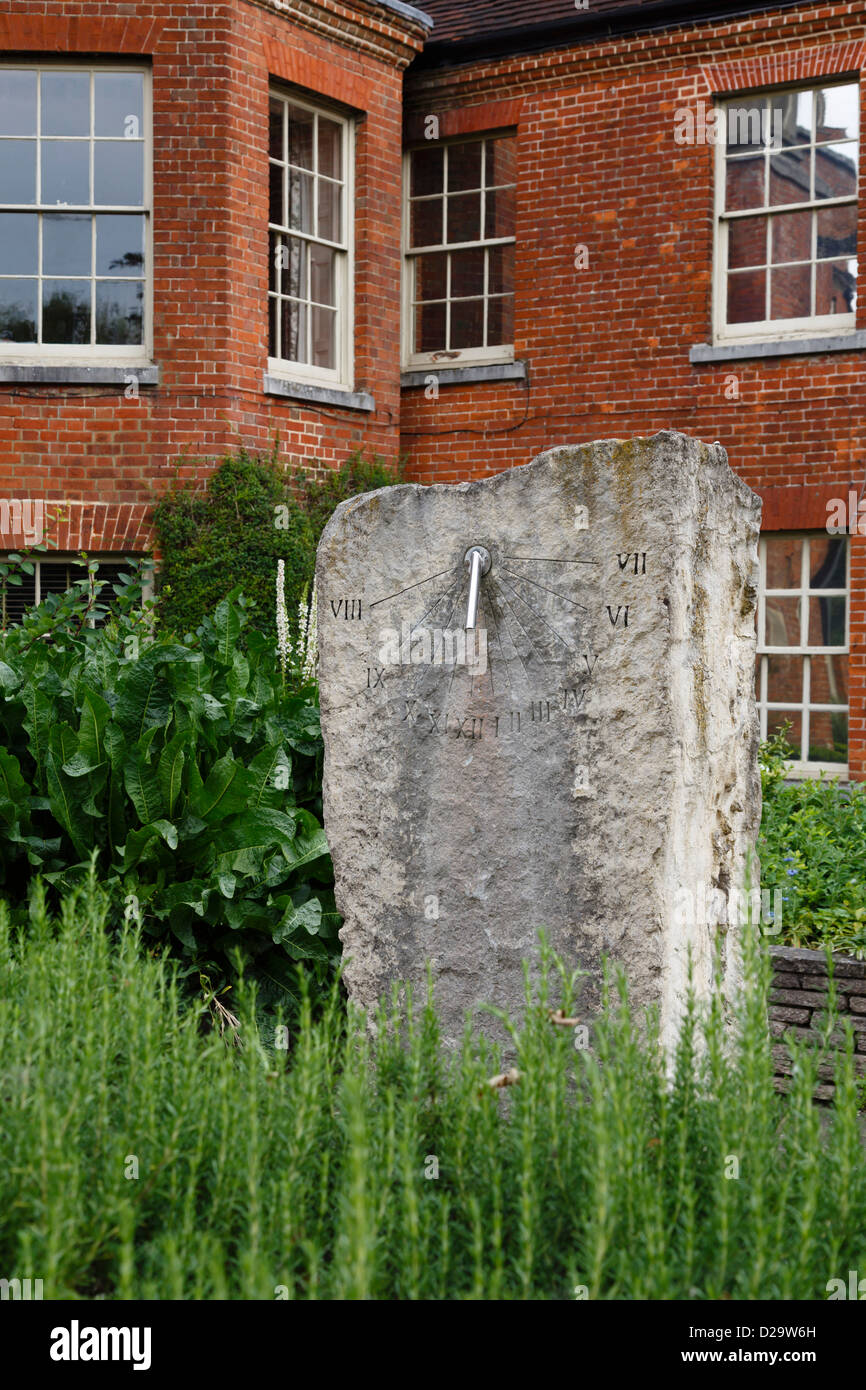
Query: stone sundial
point(537, 706)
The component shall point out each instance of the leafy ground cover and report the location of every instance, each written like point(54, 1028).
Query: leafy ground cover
point(812, 849)
point(188, 773)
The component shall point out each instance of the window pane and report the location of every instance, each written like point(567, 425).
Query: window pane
point(431, 276)
point(118, 104)
point(838, 113)
point(747, 241)
point(119, 244)
point(66, 311)
point(783, 562)
point(430, 328)
point(464, 217)
point(301, 201)
point(18, 243)
point(65, 171)
point(747, 124)
point(829, 680)
point(797, 119)
point(836, 287)
point(18, 171)
point(500, 273)
point(464, 165)
point(827, 622)
point(792, 237)
point(785, 679)
point(837, 231)
point(776, 718)
point(294, 330)
point(66, 244)
point(789, 177)
point(426, 223)
point(301, 137)
point(828, 737)
point(744, 184)
point(827, 557)
point(276, 213)
point(273, 324)
point(836, 171)
point(783, 622)
point(747, 296)
point(467, 273)
point(426, 171)
point(330, 148)
point(118, 172)
point(119, 311)
point(501, 161)
point(500, 320)
point(18, 310)
point(323, 274)
point(17, 103)
point(65, 103)
point(467, 323)
point(275, 130)
point(293, 267)
point(330, 195)
point(499, 212)
point(791, 292)
point(324, 345)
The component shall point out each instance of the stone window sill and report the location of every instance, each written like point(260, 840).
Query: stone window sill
point(778, 347)
point(465, 376)
point(60, 375)
point(317, 395)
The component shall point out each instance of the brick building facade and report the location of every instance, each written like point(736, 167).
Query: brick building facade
point(610, 219)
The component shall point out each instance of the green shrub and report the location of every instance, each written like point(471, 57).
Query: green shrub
point(190, 774)
point(349, 1169)
point(230, 534)
point(812, 849)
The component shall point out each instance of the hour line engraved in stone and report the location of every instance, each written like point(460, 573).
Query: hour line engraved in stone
point(536, 614)
point(639, 560)
point(505, 611)
point(428, 580)
point(549, 560)
point(456, 588)
point(619, 609)
point(526, 580)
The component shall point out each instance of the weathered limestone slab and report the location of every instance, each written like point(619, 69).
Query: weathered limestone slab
point(585, 761)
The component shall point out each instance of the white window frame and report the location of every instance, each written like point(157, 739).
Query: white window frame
point(803, 767)
point(821, 325)
point(340, 378)
point(446, 357)
point(85, 354)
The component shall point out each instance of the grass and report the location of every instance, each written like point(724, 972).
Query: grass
point(145, 1154)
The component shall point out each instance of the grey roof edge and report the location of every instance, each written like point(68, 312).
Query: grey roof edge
point(407, 11)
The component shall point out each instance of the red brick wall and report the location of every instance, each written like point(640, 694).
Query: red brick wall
point(607, 347)
point(211, 67)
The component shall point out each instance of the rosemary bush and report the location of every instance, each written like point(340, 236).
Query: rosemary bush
point(160, 1150)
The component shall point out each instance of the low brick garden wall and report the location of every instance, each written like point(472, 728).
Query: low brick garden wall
point(799, 996)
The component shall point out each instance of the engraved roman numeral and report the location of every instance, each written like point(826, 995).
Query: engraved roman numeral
point(350, 608)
